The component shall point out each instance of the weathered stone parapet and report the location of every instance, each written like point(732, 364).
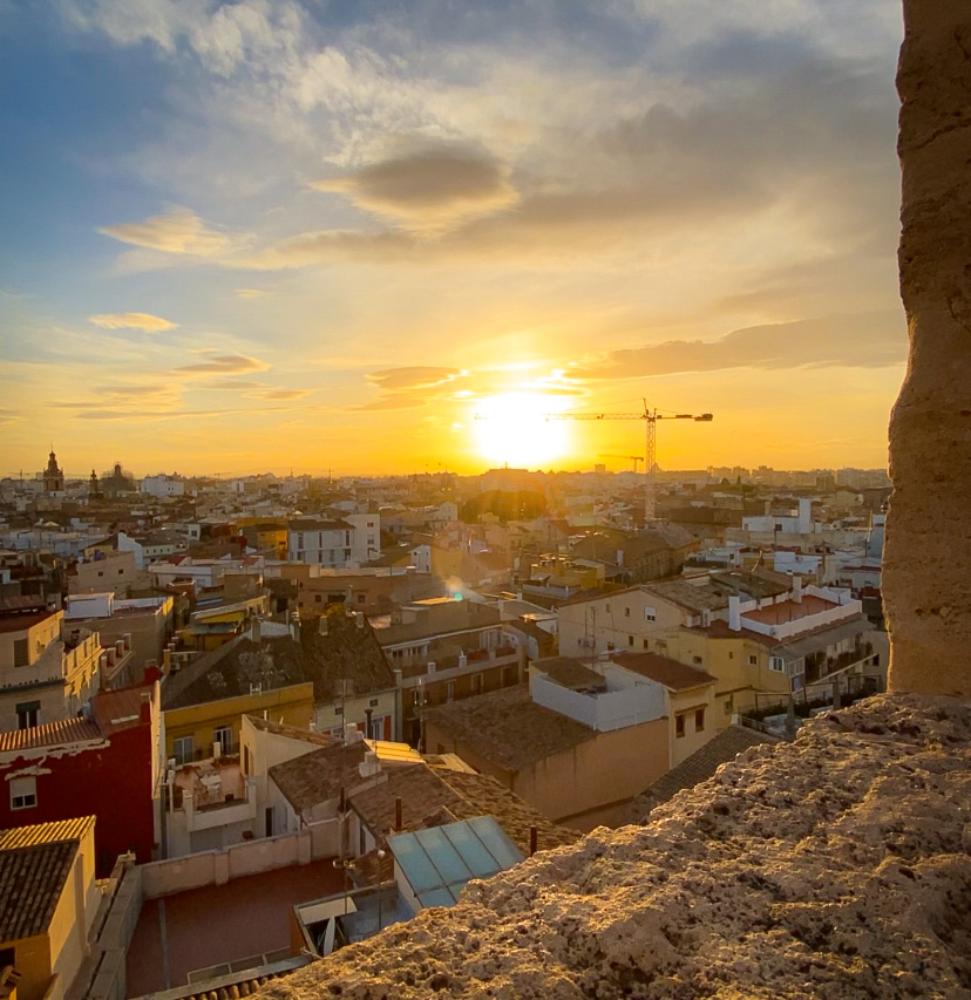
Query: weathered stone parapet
point(834, 866)
point(927, 560)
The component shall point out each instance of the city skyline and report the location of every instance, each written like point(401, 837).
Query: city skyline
point(244, 237)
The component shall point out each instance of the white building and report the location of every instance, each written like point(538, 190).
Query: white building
point(800, 523)
point(162, 486)
point(354, 539)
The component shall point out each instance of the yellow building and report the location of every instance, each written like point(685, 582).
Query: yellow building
point(746, 672)
point(48, 901)
point(252, 674)
point(211, 627)
point(267, 537)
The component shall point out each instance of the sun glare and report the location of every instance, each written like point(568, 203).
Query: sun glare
point(516, 428)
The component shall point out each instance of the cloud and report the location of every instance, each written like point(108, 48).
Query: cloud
point(413, 377)
point(431, 185)
point(330, 246)
point(179, 231)
point(869, 340)
point(131, 321)
point(223, 364)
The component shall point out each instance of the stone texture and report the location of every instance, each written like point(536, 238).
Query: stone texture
point(926, 575)
point(835, 866)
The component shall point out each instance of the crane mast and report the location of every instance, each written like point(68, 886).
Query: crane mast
point(650, 418)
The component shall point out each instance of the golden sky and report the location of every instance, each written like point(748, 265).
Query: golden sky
point(377, 237)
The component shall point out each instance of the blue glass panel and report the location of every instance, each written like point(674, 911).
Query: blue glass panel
point(479, 860)
point(443, 855)
point(495, 839)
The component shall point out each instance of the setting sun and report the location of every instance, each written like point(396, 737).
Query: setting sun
point(516, 428)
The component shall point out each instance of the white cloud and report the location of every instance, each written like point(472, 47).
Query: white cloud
point(179, 231)
point(132, 321)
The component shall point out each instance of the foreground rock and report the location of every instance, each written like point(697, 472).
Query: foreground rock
point(834, 866)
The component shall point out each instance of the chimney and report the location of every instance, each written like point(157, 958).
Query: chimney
point(797, 589)
point(397, 815)
point(370, 766)
point(735, 613)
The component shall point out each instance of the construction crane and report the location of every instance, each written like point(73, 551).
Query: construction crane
point(650, 418)
point(630, 458)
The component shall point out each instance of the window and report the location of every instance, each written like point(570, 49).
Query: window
point(650, 614)
point(28, 713)
point(223, 735)
point(647, 645)
point(317, 598)
point(731, 656)
point(450, 691)
point(753, 660)
point(679, 726)
point(373, 703)
point(477, 683)
point(361, 598)
point(607, 608)
point(20, 652)
point(729, 706)
point(699, 720)
point(777, 663)
point(630, 640)
point(23, 793)
point(696, 660)
point(182, 749)
point(627, 612)
point(100, 573)
point(338, 710)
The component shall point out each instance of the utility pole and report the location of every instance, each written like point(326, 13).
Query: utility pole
point(650, 418)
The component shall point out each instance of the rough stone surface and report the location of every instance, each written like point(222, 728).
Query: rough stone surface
point(926, 578)
point(834, 866)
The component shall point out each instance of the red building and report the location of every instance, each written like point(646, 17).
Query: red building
point(105, 764)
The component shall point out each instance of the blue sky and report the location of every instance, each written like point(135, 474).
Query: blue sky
point(247, 235)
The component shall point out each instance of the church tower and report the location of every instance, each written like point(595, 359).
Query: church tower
point(53, 476)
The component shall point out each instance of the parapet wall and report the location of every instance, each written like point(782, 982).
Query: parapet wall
point(834, 866)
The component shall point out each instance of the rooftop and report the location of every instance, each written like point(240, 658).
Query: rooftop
point(234, 669)
point(318, 776)
point(670, 673)
point(508, 728)
point(31, 880)
point(244, 918)
point(348, 651)
point(50, 734)
point(34, 863)
point(789, 611)
point(571, 673)
point(701, 765)
point(440, 861)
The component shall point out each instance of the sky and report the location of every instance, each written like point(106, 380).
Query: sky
point(388, 236)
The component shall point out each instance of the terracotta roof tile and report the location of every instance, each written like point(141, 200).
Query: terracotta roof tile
point(50, 734)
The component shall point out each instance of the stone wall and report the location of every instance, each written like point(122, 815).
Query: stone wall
point(927, 560)
point(834, 866)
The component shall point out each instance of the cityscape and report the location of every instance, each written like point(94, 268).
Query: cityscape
point(484, 499)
